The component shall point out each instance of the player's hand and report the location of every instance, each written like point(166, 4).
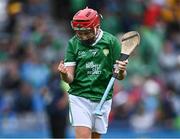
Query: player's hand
point(62, 68)
point(121, 66)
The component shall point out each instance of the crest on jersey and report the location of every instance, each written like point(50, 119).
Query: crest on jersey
point(106, 52)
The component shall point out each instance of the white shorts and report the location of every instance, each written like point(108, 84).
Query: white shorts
point(81, 114)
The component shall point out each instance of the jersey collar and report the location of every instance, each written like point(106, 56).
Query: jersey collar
point(98, 38)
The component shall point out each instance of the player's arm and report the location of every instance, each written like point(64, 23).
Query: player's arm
point(67, 67)
point(120, 66)
point(66, 72)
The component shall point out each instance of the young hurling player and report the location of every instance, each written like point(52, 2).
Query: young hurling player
point(89, 60)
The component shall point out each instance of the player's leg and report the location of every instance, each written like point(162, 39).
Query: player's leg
point(80, 116)
point(82, 132)
point(101, 121)
point(95, 135)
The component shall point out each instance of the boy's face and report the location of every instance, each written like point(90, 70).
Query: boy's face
point(84, 35)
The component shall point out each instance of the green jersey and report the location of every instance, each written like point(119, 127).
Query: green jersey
point(93, 65)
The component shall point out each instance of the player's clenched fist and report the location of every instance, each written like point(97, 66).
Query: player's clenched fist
point(62, 68)
point(67, 73)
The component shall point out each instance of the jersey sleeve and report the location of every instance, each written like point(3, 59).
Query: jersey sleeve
point(116, 49)
point(70, 55)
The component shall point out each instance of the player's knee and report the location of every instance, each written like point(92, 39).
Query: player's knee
point(83, 132)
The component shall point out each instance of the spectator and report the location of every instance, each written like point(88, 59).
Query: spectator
point(23, 102)
point(56, 105)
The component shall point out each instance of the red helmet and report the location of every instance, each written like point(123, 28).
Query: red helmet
point(85, 19)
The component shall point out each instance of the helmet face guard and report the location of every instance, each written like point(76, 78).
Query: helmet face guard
point(85, 23)
point(87, 37)
point(85, 34)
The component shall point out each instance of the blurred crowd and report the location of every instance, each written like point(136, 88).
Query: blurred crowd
point(33, 38)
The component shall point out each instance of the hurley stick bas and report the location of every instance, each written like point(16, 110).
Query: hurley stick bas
point(129, 42)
